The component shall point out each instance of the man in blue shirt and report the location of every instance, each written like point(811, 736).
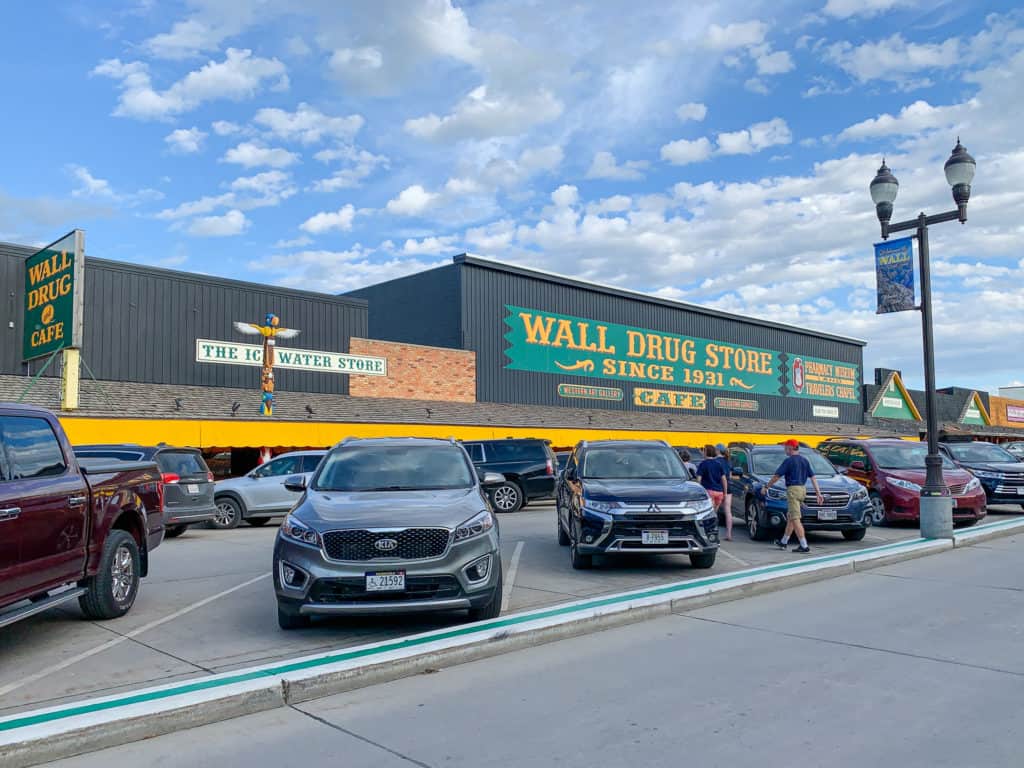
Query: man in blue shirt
point(796, 469)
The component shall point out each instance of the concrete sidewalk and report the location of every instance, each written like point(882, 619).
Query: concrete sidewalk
point(913, 664)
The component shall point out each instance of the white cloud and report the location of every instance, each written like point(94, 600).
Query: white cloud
point(541, 159)
point(911, 120)
point(251, 155)
point(429, 246)
point(307, 124)
point(298, 47)
point(613, 204)
point(411, 201)
point(195, 207)
point(231, 223)
point(262, 190)
point(297, 242)
point(225, 127)
point(693, 110)
point(239, 76)
point(844, 9)
point(565, 196)
point(484, 113)
point(893, 58)
point(185, 141)
point(757, 85)
point(326, 221)
point(755, 138)
point(777, 63)
point(185, 40)
point(684, 152)
point(605, 166)
point(734, 36)
point(89, 185)
point(360, 164)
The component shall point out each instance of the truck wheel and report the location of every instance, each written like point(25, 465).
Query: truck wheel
point(579, 561)
point(174, 531)
point(563, 537)
point(289, 618)
point(111, 592)
point(877, 509)
point(491, 609)
point(855, 535)
point(507, 497)
point(704, 559)
point(229, 514)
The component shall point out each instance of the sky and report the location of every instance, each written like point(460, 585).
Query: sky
point(718, 153)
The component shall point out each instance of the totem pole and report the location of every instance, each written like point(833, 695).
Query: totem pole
point(270, 330)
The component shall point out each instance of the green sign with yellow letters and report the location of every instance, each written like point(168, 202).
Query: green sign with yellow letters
point(53, 297)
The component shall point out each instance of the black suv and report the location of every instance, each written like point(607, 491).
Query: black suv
point(528, 465)
point(633, 497)
point(187, 490)
point(1000, 472)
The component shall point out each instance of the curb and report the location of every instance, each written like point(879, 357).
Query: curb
point(40, 736)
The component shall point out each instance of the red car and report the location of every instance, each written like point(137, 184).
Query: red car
point(893, 472)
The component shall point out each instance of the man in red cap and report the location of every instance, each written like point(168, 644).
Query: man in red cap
point(796, 469)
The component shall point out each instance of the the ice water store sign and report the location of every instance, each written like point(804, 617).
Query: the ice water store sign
point(233, 353)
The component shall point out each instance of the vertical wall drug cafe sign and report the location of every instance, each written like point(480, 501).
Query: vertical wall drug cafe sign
point(894, 275)
point(54, 290)
point(546, 342)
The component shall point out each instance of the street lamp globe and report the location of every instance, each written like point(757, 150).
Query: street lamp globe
point(883, 192)
point(959, 173)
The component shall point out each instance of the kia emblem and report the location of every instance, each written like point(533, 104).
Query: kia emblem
point(386, 545)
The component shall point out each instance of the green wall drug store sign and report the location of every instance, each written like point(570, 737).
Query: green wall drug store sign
point(54, 288)
point(546, 342)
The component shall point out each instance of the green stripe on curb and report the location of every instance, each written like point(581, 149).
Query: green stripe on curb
point(222, 682)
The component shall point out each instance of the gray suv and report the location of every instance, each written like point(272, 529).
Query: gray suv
point(260, 494)
point(389, 525)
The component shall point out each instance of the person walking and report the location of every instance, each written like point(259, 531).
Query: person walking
point(796, 470)
point(726, 460)
point(712, 477)
point(691, 468)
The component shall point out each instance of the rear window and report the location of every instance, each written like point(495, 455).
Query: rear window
point(517, 450)
point(109, 453)
point(182, 463)
point(475, 451)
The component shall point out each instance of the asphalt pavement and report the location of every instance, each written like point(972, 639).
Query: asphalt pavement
point(913, 664)
point(208, 606)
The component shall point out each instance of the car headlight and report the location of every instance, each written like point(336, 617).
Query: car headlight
point(774, 492)
point(973, 485)
point(904, 484)
point(300, 532)
point(477, 525)
point(860, 493)
point(988, 475)
point(601, 506)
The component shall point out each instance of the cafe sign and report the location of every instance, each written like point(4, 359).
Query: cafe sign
point(546, 342)
point(234, 353)
point(54, 290)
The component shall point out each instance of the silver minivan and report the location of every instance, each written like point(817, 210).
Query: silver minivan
point(260, 494)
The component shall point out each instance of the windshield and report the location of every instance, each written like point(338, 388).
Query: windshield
point(906, 456)
point(980, 452)
point(768, 460)
point(394, 468)
point(633, 463)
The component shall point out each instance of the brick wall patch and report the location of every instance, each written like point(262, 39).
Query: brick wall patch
point(416, 372)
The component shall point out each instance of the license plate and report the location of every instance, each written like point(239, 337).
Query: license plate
point(826, 514)
point(385, 581)
point(654, 537)
point(192, 488)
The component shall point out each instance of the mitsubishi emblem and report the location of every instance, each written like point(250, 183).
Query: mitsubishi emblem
point(653, 509)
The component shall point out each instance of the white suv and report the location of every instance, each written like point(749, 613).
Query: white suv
point(260, 494)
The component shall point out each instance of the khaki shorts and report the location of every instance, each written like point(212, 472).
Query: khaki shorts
point(795, 496)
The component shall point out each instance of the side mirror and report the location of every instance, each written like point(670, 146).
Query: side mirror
point(296, 483)
point(491, 478)
point(859, 465)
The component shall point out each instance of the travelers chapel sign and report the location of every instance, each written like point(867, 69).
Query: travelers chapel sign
point(546, 342)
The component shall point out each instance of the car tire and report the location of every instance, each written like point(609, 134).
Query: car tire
point(492, 608)
point(111, 593)
point(289, 618)
point(857, 534)
point(878, 516)
point(579, 561)
point(229, 514)
point(174, 531)
point(754, 528)
point(563, 537)
point(507, 497)
point(704, 559)
point(257, 522)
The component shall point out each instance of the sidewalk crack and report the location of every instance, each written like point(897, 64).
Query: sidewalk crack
point(363, 739)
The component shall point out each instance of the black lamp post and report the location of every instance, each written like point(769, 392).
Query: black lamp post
point(936, 504)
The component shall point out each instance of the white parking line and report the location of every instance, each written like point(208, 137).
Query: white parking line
point(510, 579)
point(122, 638)
point(731, 556)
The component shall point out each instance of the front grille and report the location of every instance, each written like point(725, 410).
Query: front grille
point(633, 529)
point(958, 490)
point(1010, 490)
point(830, 499)
point(413, 544)
point(353, 590)
point(648, 508)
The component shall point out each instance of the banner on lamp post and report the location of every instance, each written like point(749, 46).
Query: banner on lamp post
point(894, 275)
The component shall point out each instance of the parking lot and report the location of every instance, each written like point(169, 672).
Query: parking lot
point(208, 606)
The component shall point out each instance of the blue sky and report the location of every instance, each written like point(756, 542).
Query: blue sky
point(718, 153)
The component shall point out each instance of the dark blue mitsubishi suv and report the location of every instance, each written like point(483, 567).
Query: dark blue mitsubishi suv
point(633, 497)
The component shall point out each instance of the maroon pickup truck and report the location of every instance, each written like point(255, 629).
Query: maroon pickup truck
point(70, 529)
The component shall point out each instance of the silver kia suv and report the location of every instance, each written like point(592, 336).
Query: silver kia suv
point(389, 525)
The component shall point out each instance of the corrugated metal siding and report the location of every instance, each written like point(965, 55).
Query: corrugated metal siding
point(417, 309)
point(485, 292)
point(141, 325)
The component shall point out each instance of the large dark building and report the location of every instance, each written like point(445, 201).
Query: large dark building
point(545, 339)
